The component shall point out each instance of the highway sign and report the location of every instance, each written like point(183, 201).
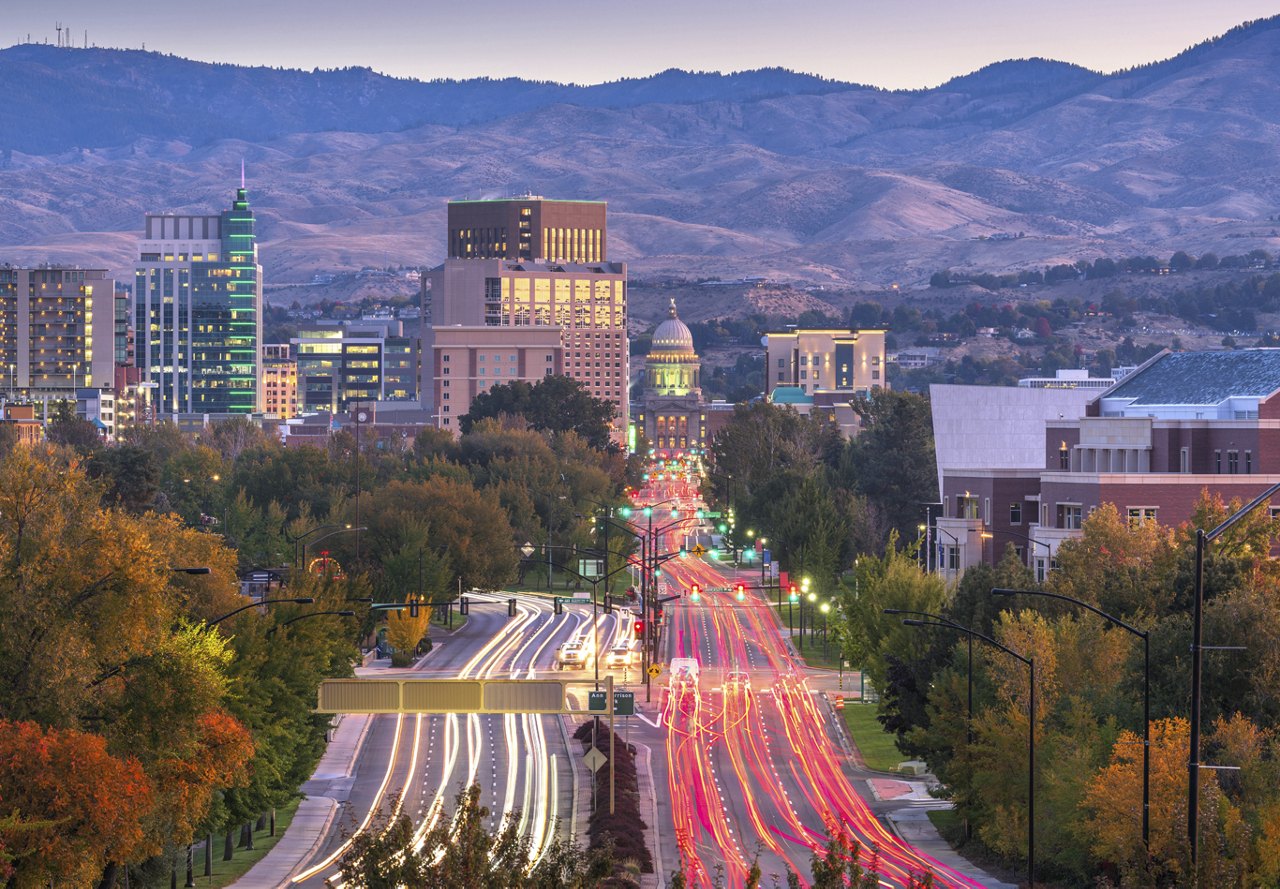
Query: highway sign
point(655, 669)
point(591, 568)
point(624, 703)
point(579, 601)
point(597, 701)
point(594, 759)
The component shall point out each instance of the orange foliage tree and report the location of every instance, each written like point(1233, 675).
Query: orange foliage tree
point(73, 807)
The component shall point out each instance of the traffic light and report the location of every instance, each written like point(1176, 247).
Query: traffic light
point(793, 593)
point(695, 592)
point(608, 604)
point(625, 512)
point(464, 605)
point(511, 608)
point(723, 527)
point(638, 627)
point(740, 590)
point(556, 606)
point(413, 607)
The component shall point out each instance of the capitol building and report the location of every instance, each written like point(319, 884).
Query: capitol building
point(674, 417)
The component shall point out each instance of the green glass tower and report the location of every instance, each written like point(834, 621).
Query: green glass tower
point(198, 312)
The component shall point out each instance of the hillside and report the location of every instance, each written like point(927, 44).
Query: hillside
point(766, 172)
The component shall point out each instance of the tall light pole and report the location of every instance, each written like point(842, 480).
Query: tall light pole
point(361, 417)
point(1031, 729)
point(1197, 652)
point(1146, 694)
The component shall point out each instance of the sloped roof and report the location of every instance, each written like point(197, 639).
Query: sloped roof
point(1202, 378)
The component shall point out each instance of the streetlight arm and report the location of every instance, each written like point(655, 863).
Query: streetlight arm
point(294, 620)
point(299, 600)
point(1142, 634)
point(1244, 511)
point(974, 633)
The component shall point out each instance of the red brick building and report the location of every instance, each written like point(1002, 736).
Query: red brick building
point(1183, 423)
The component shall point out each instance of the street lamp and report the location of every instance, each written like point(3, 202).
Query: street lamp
point(297, 600)
point(824, 608)
point(294, 620)
point(945, 624)
point(1197, 652)
point(1146, 694)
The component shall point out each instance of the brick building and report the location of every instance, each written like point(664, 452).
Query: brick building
point(1181, 424)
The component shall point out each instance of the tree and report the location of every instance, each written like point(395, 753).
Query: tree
point(67, 429)
point(891, 460)
point(553, 404)
point(74, 806)
point(405, 630)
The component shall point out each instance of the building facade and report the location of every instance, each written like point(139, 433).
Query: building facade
point(824, 371)
point(528, 228)
point(198, 312)
point(584, 302)
point(57, 330)
point(673, 416)
point(354, 362)
point(1182, 424)
point(466, 361)
point(279, 381)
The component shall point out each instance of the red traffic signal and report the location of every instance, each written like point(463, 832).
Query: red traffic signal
point(741, 591)
point(695, 592)
point(639, 628)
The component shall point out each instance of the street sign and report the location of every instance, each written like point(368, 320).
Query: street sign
point(528, 549)
point(624, 703)
point(655, 670)
point(579, 601)
point(594, 759)
point(712, 515)
point(591, 568)
point(597, 701)
point(699, 550)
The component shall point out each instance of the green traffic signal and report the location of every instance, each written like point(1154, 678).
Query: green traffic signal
point(723, 527)
point(625, 512)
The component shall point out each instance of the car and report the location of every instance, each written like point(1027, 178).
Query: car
point(684, 669)
point(619, 656)
point(573, 654)
point(736, 680)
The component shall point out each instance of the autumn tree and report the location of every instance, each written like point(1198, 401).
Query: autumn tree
point(405, 630)
point(71, 807)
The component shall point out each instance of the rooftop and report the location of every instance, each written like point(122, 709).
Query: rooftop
point(1201, 378)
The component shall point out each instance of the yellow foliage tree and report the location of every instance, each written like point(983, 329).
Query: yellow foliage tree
point(404, 632)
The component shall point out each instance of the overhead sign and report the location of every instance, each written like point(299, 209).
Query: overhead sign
point(597, 701)
point(592, 568)
point(624, 703)
point(583, 600)
point(712, 515)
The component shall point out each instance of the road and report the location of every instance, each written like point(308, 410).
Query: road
point(753, 771)
point(417, 764)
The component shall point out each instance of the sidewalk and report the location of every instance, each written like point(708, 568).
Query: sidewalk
point(328, 788)
point(914, 827)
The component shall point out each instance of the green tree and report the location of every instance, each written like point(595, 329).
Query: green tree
point(891, 461)
point(553, 404)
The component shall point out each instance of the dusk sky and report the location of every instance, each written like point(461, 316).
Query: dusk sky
point(909, 43)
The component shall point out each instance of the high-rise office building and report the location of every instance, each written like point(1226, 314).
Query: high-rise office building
point(342, 363)
point(528, 227)
point(198, 312)
point(57, 331)
point(557, 278)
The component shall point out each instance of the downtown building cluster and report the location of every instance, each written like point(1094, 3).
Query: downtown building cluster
point(527, 290)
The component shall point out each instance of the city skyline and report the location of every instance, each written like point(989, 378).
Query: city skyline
point(918, 46)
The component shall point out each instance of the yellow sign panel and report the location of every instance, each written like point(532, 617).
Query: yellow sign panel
point(655, 669)
point(699, 550)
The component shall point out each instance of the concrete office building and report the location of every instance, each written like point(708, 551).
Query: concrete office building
point(466, 361)
point(585, 301)
point(57, 330)
point(198, 312)
point(824, 370)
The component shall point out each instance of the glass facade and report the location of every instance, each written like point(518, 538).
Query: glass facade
point(197, 313)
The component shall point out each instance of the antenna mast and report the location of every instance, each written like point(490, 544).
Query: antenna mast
point(59, 28)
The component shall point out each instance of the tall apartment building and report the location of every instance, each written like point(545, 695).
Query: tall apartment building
point(557, 278)
point(279, 381)
point(528, 228)
point(198, 311)
point(57, 331)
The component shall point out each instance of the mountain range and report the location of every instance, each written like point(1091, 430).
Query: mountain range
point(768, 172)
